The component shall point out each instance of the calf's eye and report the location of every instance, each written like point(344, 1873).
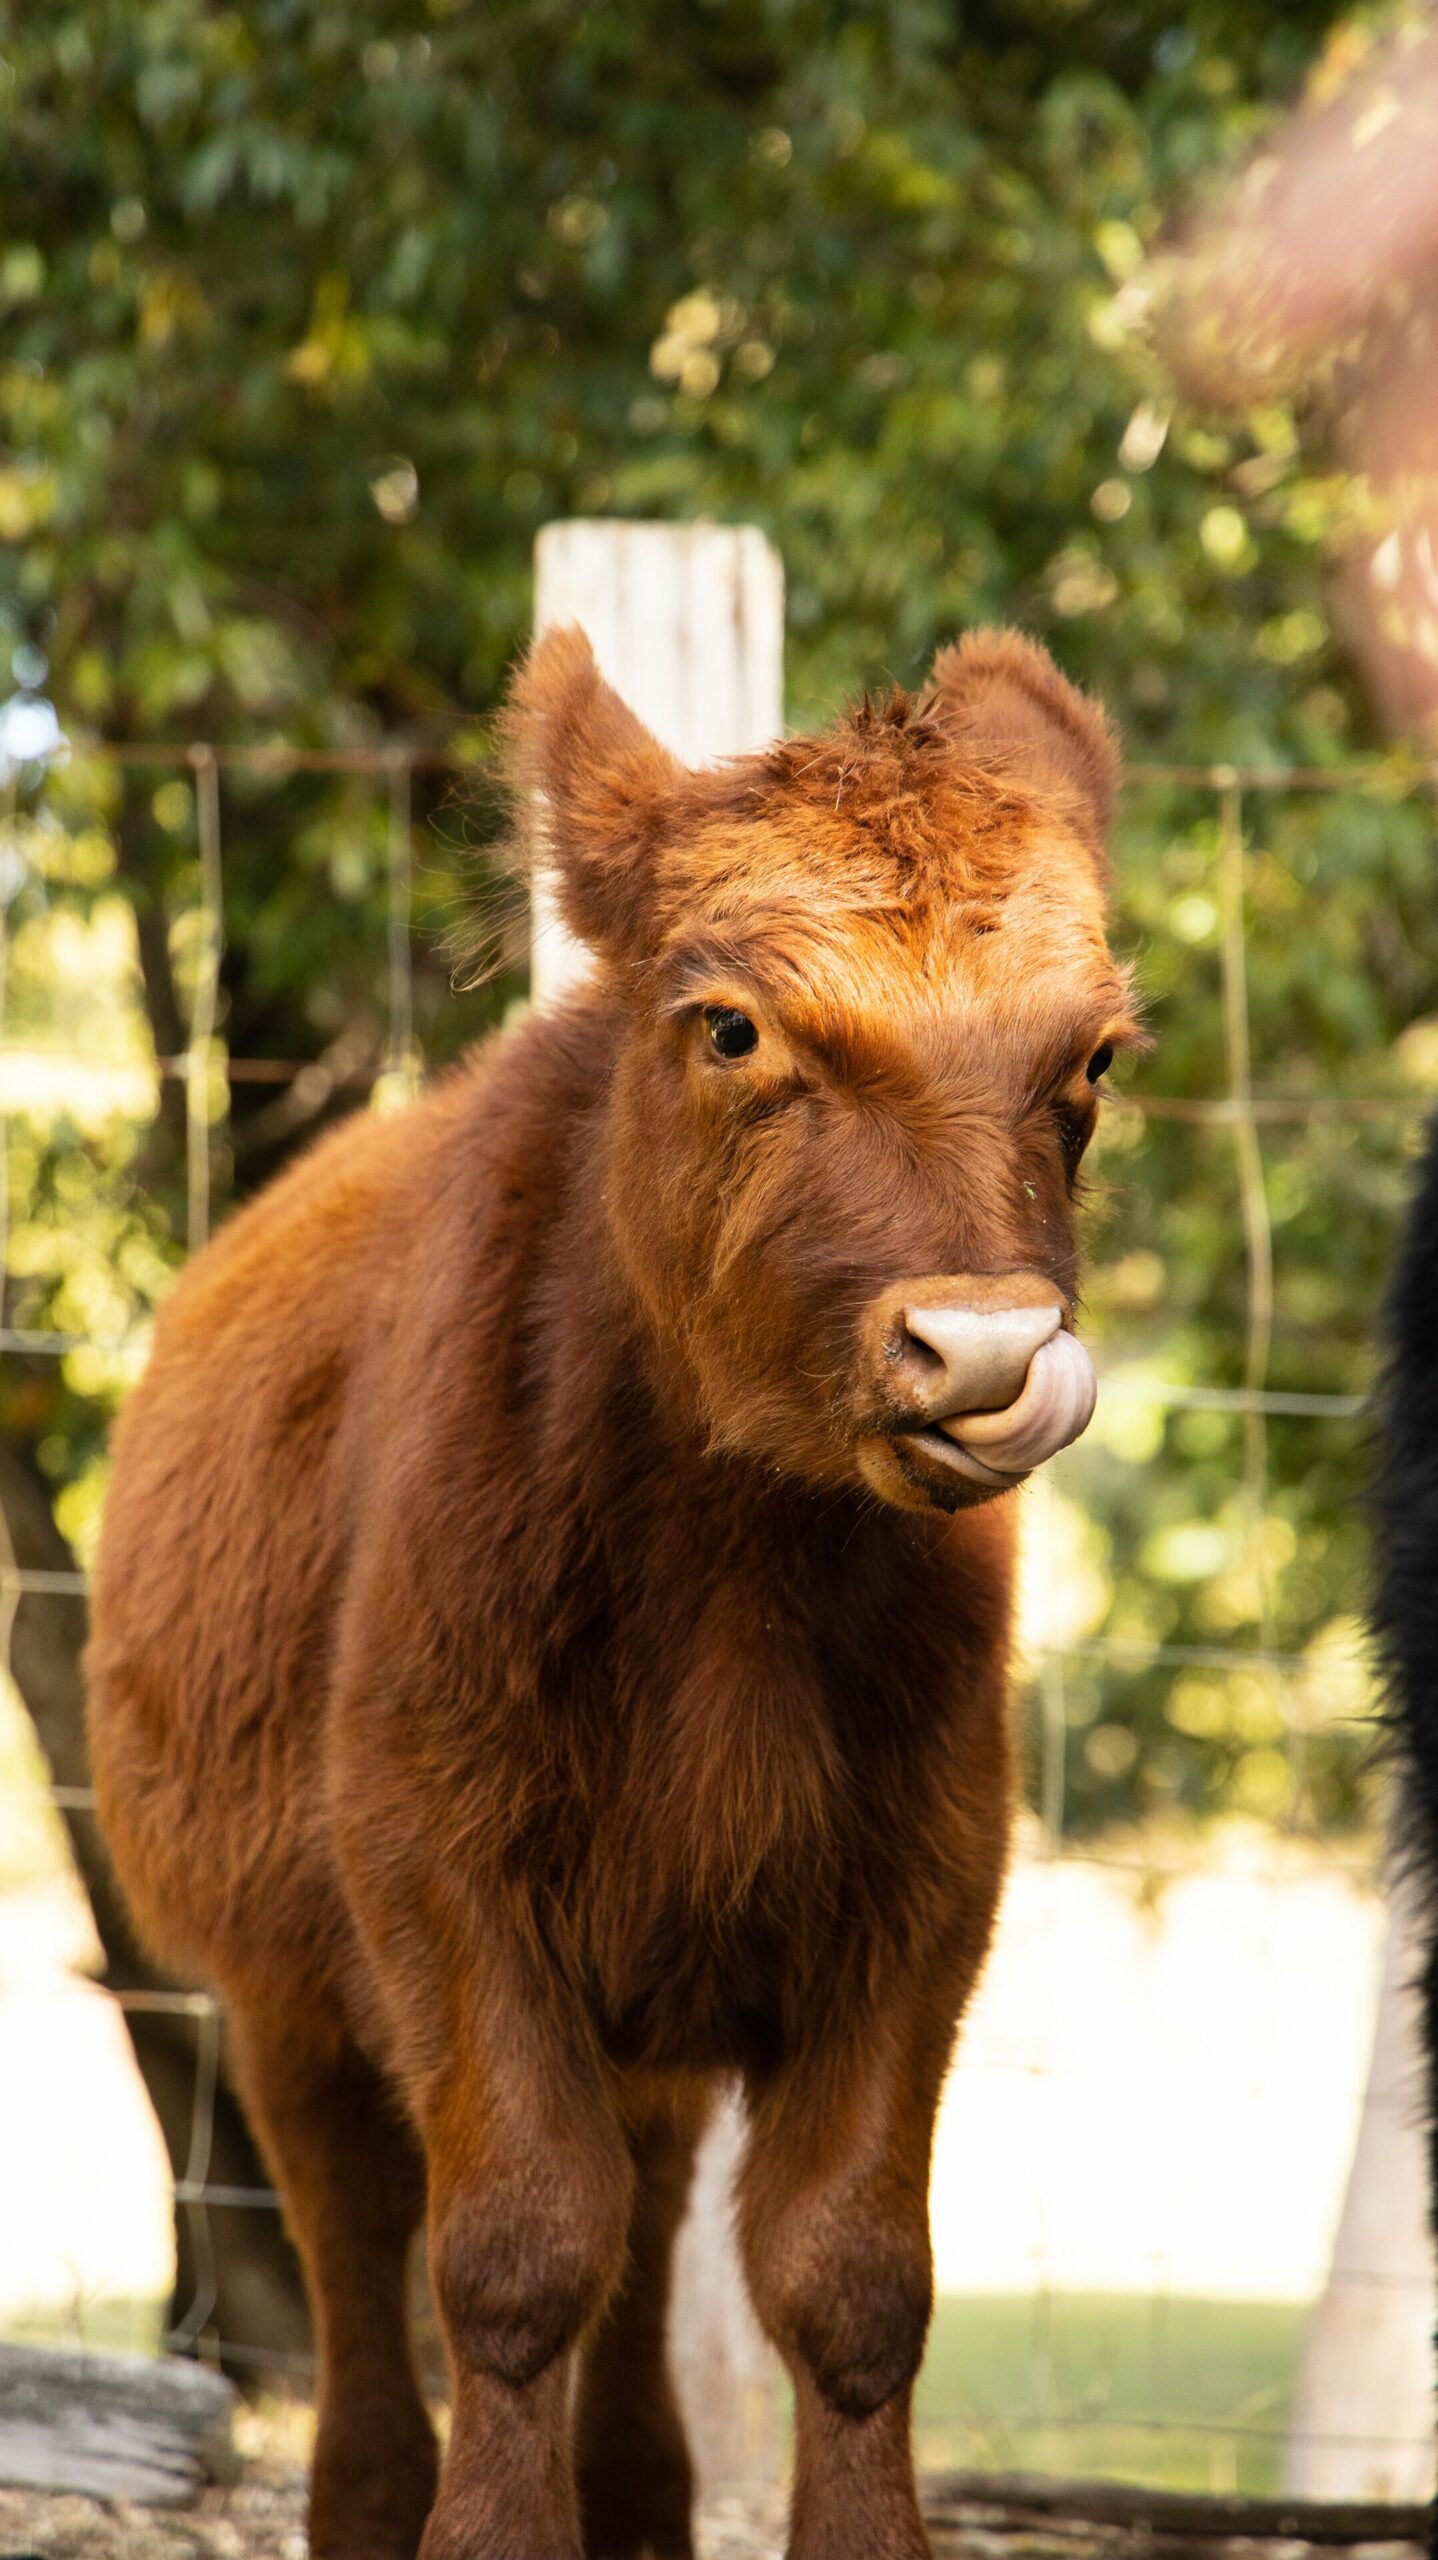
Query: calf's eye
point(1100, 1062)
point(731, 1034)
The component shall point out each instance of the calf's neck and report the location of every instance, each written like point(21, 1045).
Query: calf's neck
point(550, 1630)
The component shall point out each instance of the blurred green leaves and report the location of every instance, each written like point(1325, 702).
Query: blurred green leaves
point(311, 316)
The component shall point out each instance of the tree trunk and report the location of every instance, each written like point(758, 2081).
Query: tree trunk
point(238, 2290)
point(236, 2278)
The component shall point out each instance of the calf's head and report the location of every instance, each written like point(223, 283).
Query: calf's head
point(856, 1002)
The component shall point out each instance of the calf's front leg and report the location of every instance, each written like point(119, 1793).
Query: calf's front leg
point(531, 2187)
point(528, 2172)
point(835, 2234)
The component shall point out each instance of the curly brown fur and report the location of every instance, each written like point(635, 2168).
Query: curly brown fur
point(506, 1686)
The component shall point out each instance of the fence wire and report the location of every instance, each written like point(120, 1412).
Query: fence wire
point(205, 1071)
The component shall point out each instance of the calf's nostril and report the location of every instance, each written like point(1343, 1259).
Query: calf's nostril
point(903, 1347)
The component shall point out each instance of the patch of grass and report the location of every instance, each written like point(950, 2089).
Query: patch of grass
point(116, 2323)
point(1176, 2393)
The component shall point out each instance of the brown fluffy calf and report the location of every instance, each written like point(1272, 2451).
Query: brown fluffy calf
point(551, 1621)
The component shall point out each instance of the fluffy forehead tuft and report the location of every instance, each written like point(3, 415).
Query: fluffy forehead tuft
point(880, 821)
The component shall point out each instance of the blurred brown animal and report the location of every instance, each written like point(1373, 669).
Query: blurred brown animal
point(550, 1629)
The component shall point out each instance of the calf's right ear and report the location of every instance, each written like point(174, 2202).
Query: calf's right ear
point(599, 789)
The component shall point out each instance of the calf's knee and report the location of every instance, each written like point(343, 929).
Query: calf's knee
point(518, 2276)
point(855, 2314)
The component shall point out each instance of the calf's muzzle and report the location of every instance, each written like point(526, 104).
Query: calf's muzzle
point(981, 1375)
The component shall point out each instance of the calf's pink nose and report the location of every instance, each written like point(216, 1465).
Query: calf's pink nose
point(985, 1353)
point(985, 1370)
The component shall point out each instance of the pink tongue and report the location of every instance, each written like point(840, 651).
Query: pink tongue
point(1056, 1404)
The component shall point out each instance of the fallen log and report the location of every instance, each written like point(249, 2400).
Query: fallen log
point(1020, 2501)
point(150, 2429)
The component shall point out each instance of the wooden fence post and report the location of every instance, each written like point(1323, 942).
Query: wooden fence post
point(687, 623)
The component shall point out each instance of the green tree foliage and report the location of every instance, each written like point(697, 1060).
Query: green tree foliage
point(312, 315)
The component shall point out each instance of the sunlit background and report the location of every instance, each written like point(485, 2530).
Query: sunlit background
point(309, 324)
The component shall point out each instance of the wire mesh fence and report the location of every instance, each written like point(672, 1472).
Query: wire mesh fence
point(1124, 2391)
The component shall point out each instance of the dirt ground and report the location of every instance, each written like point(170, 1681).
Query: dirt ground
point(261, 2518)
point(258, 2519)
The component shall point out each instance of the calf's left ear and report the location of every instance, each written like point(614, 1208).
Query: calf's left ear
point(1002, 699)
point(599, 788)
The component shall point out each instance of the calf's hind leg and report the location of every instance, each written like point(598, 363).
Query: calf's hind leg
point(635, 2481)
point(351, 2182)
